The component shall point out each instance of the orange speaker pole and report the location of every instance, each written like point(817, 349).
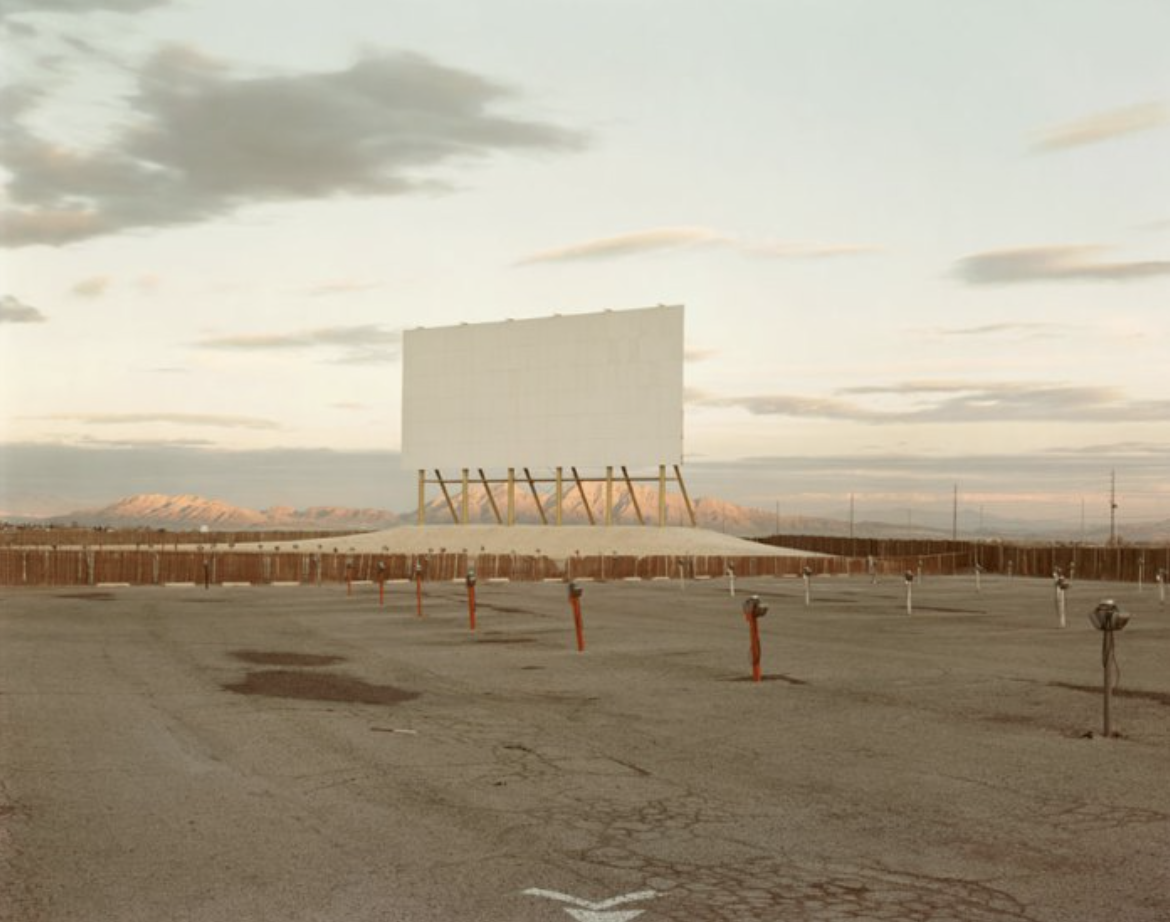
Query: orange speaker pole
point(753, 611)
point(470, 579)
point(575, 593)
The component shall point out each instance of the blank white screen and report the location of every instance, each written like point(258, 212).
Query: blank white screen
point(586, 390)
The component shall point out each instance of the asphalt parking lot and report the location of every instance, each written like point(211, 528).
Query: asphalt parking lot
point(295, 754)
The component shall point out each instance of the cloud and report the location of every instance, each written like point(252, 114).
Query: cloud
point(359, 336)
point(660, 239)
point(1052, 263)
point(995, 329)
point(207, 141)
point(1104, 126)
point(1151, 449)
point(630, 244)
point(138, 444)
point(16, 7)
point(13, 310)
point(793, 405)
point(360, 344)
point(92, 287)
point(957, 402)
point(178, 419)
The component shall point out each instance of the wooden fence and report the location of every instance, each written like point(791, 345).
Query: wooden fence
point(1122, 563)
point(96, 565)
point(90, 566)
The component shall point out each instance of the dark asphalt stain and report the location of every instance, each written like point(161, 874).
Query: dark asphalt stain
point(1159, 697)
point(506, 640)
point(955, 611)
point(87, 596)
point(771, 677)
point(507, 609)
point(318, 686)
point(284, 658)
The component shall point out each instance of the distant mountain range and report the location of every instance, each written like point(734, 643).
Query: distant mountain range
point(186, 512)
point(156, 510)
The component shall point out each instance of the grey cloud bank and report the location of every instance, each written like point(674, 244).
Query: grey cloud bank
point(16, 7)
point(958, 402)
point(207, 142)
point(1053, 264)
point(13, 310)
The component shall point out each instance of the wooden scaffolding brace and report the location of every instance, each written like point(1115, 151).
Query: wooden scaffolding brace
point(460, 516)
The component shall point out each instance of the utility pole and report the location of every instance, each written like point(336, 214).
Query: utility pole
point(1112, 508)
point(955, 515)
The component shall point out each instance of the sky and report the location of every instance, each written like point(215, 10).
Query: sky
point(920, 244)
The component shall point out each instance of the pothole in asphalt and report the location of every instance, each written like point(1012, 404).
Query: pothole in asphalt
point(284, 658)
point(318, 686)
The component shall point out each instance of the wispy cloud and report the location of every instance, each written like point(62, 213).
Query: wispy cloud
point(1053, 263)
point(16, 7)
point(630, 244)
point(1104, 126)
point(997, 329)
point(93, 287)
point(665, 239)
point(955, 402)
point(207, 141)
point(13, 310)
point(360, 336)
point(177, 419)
point(1151, 449)
point(794, 405)
point(139, 444)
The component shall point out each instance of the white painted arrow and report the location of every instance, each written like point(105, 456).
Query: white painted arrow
point(593, 915)
point(601, 911)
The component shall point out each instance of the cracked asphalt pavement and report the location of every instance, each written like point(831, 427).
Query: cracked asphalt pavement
point(298, 754)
